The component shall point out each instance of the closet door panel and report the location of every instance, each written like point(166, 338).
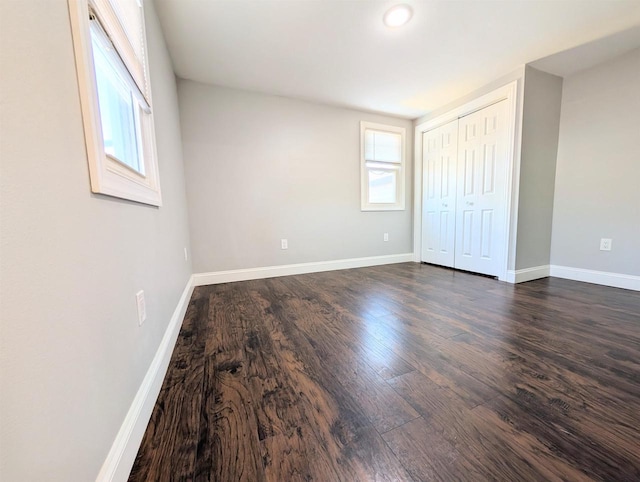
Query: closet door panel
point(482, 163)
point(439, 148)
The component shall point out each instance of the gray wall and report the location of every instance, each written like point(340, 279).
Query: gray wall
point(260, 168)
point(540, 124)
point(598, 174)
point(71, 353)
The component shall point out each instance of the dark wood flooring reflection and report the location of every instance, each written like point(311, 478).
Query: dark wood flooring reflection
point(400, 372)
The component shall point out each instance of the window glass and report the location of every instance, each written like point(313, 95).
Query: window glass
point(382, 186)
point(117, 104)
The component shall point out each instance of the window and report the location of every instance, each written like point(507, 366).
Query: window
point(382, 167)
point(111, 62)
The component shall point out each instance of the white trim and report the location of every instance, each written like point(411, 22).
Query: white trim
point(527, 274)
point(119, 461)
point(616, 280)
point(215, 277)
point(507, 92)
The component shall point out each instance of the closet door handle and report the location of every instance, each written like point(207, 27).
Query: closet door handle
point(445, 205)
point(469, 203)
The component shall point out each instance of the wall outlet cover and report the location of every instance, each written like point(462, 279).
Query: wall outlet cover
point(605, 244)
point(284, 244)
point(142, 307)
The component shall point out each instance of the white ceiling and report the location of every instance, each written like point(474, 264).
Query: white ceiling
point(339, 52)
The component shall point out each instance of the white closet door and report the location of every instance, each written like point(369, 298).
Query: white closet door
point(440, 149)
point(482, 181)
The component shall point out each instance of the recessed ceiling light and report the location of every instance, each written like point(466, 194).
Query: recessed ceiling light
point(397, 16)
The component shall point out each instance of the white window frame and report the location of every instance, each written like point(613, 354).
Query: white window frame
point(365, 205)
point(108, 175)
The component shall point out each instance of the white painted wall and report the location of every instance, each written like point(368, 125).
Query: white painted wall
point(71, 353)
point(597, 192)
point(260, 168)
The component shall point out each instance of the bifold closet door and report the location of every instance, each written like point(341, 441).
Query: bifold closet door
point(439, 157)
point(481, 235)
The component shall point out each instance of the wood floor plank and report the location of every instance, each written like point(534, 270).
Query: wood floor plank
point(427, 455)
point(229, 446)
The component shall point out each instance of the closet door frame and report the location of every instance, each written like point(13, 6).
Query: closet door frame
point(508, 92)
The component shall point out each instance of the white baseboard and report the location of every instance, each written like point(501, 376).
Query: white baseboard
point(216, 277)
point(527, 274)
point(122, 455)
point(616, 280)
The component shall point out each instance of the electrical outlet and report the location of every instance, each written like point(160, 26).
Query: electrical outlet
point(605, 244)
point(284, 244)
point(142, 307)
point(386, 237)
point(186, 255)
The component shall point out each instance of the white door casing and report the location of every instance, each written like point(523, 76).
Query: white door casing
point(481, 238)
point(439, 150)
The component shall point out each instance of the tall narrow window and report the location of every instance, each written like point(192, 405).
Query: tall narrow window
point(111, 61)
point(382, 167)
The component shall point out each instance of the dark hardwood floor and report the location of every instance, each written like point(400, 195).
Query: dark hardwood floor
point(400, 372)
